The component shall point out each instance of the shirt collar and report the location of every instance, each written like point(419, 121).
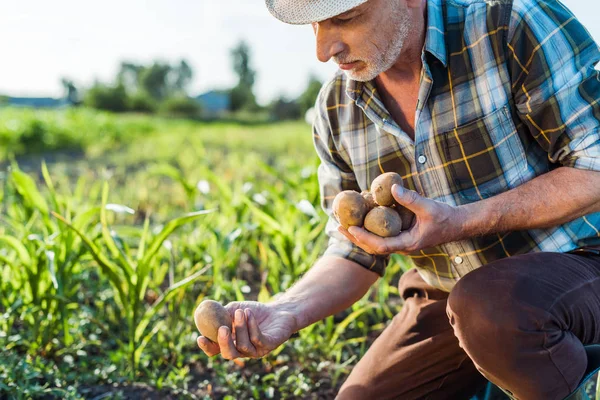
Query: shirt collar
point(434, 39)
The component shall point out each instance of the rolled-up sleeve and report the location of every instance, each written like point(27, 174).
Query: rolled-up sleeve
point(334, 176)
point(556, 88)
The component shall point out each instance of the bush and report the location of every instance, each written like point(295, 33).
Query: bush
point(143, 103)
point(109, 98)
point(282, 109)
point(181, 106)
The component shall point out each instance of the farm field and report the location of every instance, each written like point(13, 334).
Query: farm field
point(114, 227)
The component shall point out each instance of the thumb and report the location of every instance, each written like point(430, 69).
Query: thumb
point(408, 198)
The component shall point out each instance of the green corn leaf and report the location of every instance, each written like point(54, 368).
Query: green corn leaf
point(262, 216)
point(225, 191)
point(108, 239)
point(341, 327)
point(8, 262)
point(173, 173)
point(145, 263)
point(16, 244)
point(142, 245)
point(170, 292)
point(239, 296)
point(107, 267)
point(83, 219)
point(141, 345)
point(50, 185)
point(27, 188)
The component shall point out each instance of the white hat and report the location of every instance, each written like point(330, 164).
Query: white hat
point(299, 12)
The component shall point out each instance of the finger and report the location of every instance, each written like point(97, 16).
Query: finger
point(242, 342)
point(207, 346)
point(351, 238)
point(256, 337)
point(228, 349)
point(397, 244)
point(231, 309)
point(409, 199)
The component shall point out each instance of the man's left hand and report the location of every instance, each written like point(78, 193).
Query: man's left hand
point(434, 223)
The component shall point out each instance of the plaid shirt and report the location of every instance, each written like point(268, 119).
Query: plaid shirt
point(508, 92)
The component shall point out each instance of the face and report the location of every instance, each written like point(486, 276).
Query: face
point(366, 40)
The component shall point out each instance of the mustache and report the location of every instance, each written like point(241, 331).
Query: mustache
point(343, 59)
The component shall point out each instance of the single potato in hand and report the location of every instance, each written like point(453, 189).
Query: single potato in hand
point(382, 188)
point(209, 316)
point(383, 221)
point(350, 208)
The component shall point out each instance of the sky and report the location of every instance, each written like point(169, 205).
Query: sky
point(43, 41)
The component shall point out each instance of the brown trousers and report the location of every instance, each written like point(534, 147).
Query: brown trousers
point(521, 322)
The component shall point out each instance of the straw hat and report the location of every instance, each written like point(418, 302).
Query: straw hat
point(299, 12)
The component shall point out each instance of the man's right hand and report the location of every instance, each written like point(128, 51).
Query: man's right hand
point(257, 330)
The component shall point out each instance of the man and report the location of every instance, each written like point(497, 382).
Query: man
point(490, 113)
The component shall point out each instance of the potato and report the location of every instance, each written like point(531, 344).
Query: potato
point(382, 188)
point(406, 216)
point(369, 198)
point(383, 221)
point(350, 208)
point(209, 316)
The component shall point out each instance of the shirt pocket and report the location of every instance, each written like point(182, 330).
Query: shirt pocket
point(484, 157)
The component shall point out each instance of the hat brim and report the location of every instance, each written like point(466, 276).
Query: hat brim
point(302, 12)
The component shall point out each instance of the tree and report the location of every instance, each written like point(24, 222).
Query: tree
point(154, 80)
point(309, 97)
point(242, 95)
point(109, 98)
point(181, 106)
point(282, 109)
point(70, 91)
point(129, 76)
point(184, 75)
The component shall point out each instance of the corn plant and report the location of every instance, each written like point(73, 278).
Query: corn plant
point(129, 275)
point(40, 259)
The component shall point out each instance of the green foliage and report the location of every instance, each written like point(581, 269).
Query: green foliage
point(181, 106)
point(107, 98)
point(242, 95)
point(242, 98)
point(142, 102)
point(159, 80)
point(283, 109)
point(242, 64)
point(154, 80)
point(309, 97)
point(29, 131)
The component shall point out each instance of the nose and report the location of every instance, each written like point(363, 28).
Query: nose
point(328, 42)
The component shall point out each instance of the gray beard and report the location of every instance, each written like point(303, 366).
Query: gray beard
point(390, 55)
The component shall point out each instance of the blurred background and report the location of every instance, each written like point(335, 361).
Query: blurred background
point(224, 55)
point(155, 154)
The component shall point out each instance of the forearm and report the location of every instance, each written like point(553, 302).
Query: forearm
point(330, 286)
point(551, 199)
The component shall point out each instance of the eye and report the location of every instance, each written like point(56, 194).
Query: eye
point(343, 20)
point(346, 18)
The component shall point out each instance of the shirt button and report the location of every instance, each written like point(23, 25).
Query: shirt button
point(422, 159)
point(458, 259)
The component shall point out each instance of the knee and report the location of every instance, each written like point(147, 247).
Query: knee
point(482, 307)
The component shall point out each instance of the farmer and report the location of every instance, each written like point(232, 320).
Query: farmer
point(489, 110)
